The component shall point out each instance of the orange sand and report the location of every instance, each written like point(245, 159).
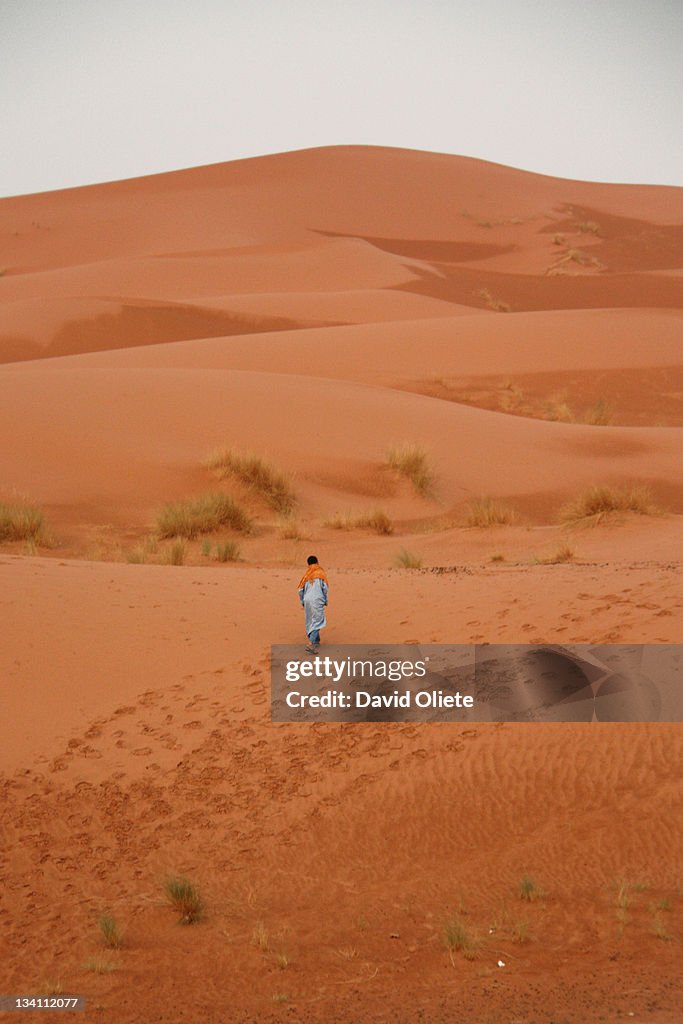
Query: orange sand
point(145, 323)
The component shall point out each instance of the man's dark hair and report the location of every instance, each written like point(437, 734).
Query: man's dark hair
point(311, 560)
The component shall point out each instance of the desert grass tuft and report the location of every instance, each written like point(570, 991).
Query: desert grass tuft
point(209, 512)
point(228, 551)
point(497, 305)
point(659, 929)
point(250, 469)
point(589, 227)
point(377, 521)
point(564, 554)
point(599, 415)
point(100, 965)
point(22, 522)
point(489, 512)
point(110, 931)
point(459, 939)
point(528, 890)
point(498, 557)
point(600, 502)
point(407, 560)
point(184, 898)
point(175, 553)
point(411, 462)
point(260, 937)
point(288, 528)
point(280, 997)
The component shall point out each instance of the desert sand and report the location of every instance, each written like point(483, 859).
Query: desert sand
point(319, 308)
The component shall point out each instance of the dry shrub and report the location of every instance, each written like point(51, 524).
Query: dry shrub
point(205, 514)
point(489, 512)
point(599, 415)
point(378, 521)
point(22, 521)
point(492, 303)
point(600, 502)
point(256, 473)
point(564, 554)
point(411, 462)
point(407, 560)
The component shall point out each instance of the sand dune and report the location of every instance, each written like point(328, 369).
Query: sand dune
point(317, 308)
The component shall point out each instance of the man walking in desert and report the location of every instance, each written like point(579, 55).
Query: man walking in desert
point(313, 590)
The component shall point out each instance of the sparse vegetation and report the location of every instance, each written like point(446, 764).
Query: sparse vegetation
point(459, 939)
point(142, 552)
point(492, 303)
point(228, 551)
point(280, 997)
point(205, 514)
point(282, 961)
point(22, 522)
point(184, 898)
point(378, 521)
point(600, 502)
point(411, 462)
point(175, 553)
point(100, 965)
point(564, 554)
point(288, 528)
point(659, 929)
point(407, 560)
point(110, 931)
point(268, 482)
point(599, 415)
point(260, 937)
point(489, 512)
point(557, 409)
point(498, 557)
point(589, 227)
point(528, 890)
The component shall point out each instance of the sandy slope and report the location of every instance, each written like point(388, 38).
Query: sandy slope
point(319, 307)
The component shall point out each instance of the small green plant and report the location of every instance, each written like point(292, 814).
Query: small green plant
point(528, 890)
point(407, 560)
point(22, 522)
point(489, 512)
point(184, 898)
point(229, 551)
point(268, 482)
point(205, 514)
point(411, 462)
point(663, 904)
point(459, 939)
point(600, 502)
point(206, 548)
point(110, 931)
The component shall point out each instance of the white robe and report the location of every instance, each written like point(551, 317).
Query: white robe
point(313, 596)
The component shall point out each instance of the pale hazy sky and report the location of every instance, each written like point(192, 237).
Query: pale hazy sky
point(95, 90)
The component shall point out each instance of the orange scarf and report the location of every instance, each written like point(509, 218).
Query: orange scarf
point(314, 572)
